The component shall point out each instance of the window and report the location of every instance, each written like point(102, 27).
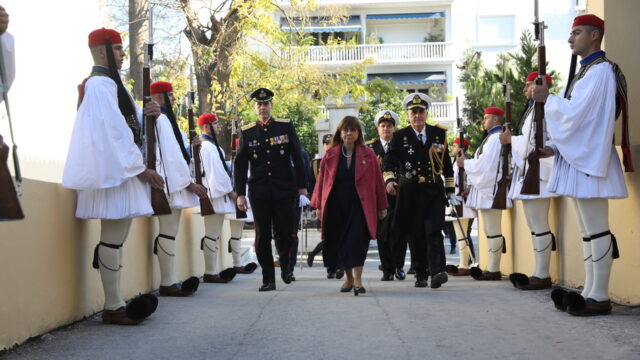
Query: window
point(496, 30)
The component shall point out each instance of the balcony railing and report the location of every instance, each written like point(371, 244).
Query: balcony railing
point(379, 53)
point(442, 111)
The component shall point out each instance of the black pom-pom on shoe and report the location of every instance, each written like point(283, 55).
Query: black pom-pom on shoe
point(557, 295)
point(140, 307)
point(153, 300)
point(475, 272)
point(573, 301)
point(519, 279)
point(228, 274)
point(250, 267)
point(451, 269)
point(190, 285)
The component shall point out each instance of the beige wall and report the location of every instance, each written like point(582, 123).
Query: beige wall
point(45, 262)
point(622, 29)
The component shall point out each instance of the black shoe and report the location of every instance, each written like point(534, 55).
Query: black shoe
point(411, 271)
point(287, 277)
point(387, 276)
point(347, 289)
point(293, 277)
point(421, 282)
point(331, 275)
point(267, 287)
point(310, 257)
point(438, 279)
point(400, 275)
point(380, 267)
point(339, 274)
point(357, 290)
point(452, 251)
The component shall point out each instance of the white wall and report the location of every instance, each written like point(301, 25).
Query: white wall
point(52, 58)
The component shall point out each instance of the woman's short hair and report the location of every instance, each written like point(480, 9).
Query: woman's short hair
point(351, 123)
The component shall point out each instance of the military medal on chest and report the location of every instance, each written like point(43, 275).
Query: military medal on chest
point(410, 151)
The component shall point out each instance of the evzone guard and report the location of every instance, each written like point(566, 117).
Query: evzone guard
point(536, 207)
point(105, 165)
point(482, 173)
point(463, 220)
point(173, 165)
point(587, 167)
point(217, 180)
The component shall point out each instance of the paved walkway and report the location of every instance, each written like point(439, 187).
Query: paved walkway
point(310, 319)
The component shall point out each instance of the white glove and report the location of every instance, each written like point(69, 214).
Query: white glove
point(454, 199)
point(304, 201)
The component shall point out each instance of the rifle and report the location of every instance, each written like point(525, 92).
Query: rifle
point(10, 208)
point(531, 183)
point(463, 149)
point(500, 196)
point(206, 208)
point(159, 200)
point(234, 149)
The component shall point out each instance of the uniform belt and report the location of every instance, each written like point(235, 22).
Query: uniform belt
point(420, 179)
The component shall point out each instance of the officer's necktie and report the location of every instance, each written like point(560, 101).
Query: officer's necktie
point(386, 148)
point(420, 138)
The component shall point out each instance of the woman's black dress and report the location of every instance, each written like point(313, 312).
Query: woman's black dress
point(347, 237)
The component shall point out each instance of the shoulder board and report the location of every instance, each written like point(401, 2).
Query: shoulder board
point(370, 142)
point(442, 127)
point(286, 121)
point(248, 126)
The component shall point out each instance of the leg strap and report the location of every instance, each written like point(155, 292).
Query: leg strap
point(553, 240)
point(96, 256)
point(229, 247)
point(465, 242)
point(613, 245)
point(586, 239)
point(156, 243)
point(202, 244)
point(504, 243)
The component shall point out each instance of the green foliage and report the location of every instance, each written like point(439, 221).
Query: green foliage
point(483, 86)
point(381, 95)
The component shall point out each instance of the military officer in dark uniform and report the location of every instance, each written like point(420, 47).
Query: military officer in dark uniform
point(267, 147)
point(391, 251)
point(413, 167)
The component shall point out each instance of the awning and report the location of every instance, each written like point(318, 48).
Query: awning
point(434, 15)
point(321, 24)
point(411, 78)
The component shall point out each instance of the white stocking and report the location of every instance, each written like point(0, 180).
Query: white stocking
point(235, 243)
point(537, 214)
point(112, 232)
point(212, 230)
point(461, 234)
point(492, 220)
point(595, 218)
point(165, 247)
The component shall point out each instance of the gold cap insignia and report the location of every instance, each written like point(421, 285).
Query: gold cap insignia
point(416, 99)
point(387, 115)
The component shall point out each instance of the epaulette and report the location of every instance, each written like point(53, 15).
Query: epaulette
point(248, 126)
point(286, 121)
point(440, 126)
point(370, 142)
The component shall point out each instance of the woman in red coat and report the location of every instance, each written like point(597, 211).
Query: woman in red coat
point(350, 197)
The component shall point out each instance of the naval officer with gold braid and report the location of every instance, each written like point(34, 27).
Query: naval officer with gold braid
point(413, 168)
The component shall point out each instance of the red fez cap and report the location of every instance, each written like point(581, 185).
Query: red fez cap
point(466, 142)
point(97, 37)
point(494, 111)
point(532, 76)
point(159, 87)
point(207, 118)
point(588, 19)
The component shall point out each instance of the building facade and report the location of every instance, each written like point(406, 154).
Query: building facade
point(418, 43)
